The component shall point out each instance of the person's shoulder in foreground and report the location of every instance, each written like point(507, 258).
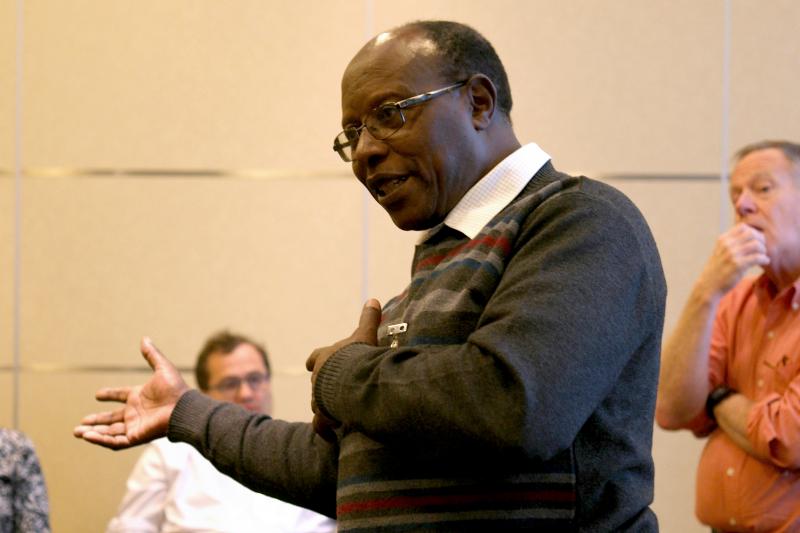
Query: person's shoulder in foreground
point(24, 506)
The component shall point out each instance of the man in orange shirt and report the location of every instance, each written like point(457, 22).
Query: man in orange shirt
point(731, 368)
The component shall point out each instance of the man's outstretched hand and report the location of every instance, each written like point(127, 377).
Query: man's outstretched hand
point(145, 415)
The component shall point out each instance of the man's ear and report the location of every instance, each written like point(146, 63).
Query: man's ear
point(482, 96)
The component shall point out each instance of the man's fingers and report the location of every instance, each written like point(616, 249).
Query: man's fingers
point(105, 418)
point(741, 234)
point(312, 359)
point(324, 428)
point(750, 252)
point(151, 354)
point(114, 442)
point(741, 248)
point(117, 394)
point(369, 321)
point(115, 429)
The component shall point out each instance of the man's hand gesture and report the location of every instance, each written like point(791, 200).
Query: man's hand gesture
point(145, 415)
point(737, 250)
point(366, 332)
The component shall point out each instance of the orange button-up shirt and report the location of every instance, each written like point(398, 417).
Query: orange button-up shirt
point(755, 349)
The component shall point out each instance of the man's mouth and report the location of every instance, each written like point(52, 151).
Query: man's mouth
point(385, 186)
point(755, 226)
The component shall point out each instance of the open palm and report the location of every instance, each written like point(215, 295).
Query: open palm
point(145, 415)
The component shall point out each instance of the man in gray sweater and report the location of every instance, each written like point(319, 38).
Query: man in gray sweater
point(512, 384)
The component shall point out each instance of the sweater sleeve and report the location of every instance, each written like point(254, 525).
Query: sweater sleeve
point(285, 460)
point(580, 302)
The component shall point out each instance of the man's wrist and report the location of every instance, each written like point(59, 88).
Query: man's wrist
point(715, 397)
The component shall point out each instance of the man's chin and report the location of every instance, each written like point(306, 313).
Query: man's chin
point(411, 222)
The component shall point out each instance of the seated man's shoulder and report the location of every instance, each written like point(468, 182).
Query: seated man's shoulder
point(13, 441)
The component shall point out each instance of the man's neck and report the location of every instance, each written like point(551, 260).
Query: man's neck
point(782, 277)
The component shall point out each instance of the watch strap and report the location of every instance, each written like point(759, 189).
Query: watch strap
point(715, 397)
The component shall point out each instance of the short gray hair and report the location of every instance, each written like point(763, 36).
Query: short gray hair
point(789, 149)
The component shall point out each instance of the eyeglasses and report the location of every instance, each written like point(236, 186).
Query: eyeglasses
point(230, 385)
point(383, 121)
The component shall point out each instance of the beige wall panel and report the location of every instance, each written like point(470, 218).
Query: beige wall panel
point(684, 218)
point(390, 252)
point(676, 454)
point(85, 482)
point(8, 49)
point(7, 201)
point(622, 86)
point(6, 399)
point(106, 261)
point(187, 83)
point(605, 87)
point(8, 69)
point(291, 392)
point(765, 71)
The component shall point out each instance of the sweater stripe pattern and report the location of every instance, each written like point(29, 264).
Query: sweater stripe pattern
point(453, 277)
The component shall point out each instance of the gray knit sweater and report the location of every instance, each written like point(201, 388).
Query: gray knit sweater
point(520, 396)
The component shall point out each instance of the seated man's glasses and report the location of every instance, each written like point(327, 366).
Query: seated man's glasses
point(230, 385)
point(383, 121)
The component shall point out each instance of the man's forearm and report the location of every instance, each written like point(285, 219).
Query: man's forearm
point(731, 415)
point(274, 457)
point(683, 386)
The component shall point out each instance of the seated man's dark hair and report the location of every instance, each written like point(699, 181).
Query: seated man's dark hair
point(223, 342)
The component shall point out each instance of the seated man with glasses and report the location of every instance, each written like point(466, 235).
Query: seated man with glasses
point(511, 385)
point(173, 488)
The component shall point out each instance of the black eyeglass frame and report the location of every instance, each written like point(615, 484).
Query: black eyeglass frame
point(345, 141)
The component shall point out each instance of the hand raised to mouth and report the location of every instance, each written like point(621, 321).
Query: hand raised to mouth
point(736, 251)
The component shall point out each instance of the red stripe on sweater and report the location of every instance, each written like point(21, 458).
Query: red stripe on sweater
point(402, 502)
point(487, 240)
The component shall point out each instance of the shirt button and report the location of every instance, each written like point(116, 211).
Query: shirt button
point(760, 383)
point(730, 471)
point(770, 334)
point(732, 521)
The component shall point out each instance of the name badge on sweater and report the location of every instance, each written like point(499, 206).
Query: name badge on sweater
point(395, 331)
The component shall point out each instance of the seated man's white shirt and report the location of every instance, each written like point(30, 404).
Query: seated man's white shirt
point(173, 488)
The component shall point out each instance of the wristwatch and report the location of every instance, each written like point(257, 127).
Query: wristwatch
point(715, 397)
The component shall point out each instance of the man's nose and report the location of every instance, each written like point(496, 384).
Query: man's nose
point(367, 146)
point(245, 390)
point(745, 204)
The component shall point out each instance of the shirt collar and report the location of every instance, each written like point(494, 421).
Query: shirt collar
point(493, 192)
point(765, 289)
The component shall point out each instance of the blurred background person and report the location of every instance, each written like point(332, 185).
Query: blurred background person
point(173, 488)
point(24, 507)
point(730, 369)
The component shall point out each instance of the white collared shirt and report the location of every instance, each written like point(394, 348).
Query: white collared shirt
point(494, 191)
point(175, 489)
